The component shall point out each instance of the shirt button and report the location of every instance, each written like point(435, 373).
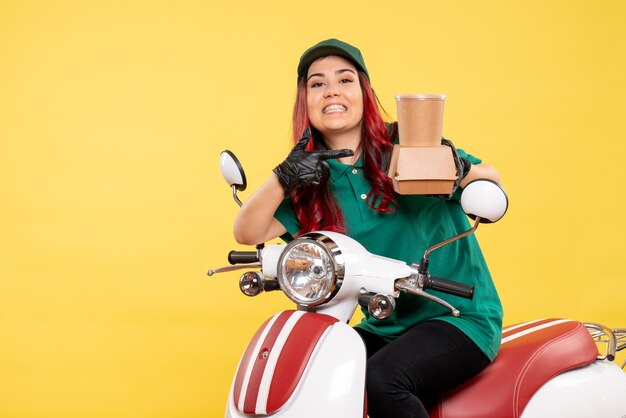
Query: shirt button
point(363, 196)
point(354, 171)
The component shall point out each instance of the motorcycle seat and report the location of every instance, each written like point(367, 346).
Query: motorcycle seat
point(531, 354)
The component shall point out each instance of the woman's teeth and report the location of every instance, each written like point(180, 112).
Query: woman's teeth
point(334, 108)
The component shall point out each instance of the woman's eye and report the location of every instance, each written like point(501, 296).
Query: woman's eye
point(316, 84)
point(346, 80)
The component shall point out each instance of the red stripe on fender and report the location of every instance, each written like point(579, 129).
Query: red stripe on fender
point(260, 362)
point(295, 356)
point(245, 360)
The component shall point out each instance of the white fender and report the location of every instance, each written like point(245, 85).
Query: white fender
point(592, 391)
point(333, 383)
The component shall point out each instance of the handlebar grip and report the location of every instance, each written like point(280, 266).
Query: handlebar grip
point(448, 286)
point(243, 257)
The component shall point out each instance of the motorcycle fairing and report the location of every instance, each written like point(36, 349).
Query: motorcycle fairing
point(275, 359)
point(531, 354)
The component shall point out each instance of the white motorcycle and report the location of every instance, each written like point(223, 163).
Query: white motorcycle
point(309, 362)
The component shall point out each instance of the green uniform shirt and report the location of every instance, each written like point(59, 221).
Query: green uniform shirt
point(417, 223)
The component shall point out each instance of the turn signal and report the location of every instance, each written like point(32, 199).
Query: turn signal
point(381, 306)
point(250, 283)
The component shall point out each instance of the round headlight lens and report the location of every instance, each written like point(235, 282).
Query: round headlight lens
point(306, 272)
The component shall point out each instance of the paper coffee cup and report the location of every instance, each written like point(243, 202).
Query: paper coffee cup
point(420, 119)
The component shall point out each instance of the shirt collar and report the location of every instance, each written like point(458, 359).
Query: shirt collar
point(338, 169)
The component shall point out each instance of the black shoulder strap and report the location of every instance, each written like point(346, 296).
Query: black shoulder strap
point(392, 135)
point(392, 132)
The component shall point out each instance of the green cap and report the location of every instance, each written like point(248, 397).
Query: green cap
point(331, 47)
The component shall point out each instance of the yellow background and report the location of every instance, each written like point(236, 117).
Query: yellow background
point(112, 117)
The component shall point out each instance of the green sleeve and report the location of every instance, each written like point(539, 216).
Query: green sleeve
point(472, 159)
point(286, 216)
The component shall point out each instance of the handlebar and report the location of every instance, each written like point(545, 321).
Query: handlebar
point(448, 286)
point(364, 300)
point(243, 257)
point(270, 285)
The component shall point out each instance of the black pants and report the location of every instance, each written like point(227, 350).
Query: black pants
point(405, 377)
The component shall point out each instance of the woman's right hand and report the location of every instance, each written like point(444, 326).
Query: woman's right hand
point(304, 168)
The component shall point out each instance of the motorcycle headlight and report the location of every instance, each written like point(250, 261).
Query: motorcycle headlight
point(311, 269)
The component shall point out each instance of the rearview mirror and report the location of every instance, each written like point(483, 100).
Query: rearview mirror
point(233, 173)
point(484, 199)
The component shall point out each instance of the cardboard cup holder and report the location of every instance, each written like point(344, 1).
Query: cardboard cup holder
point(420, 164)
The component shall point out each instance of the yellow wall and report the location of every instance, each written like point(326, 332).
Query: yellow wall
point(112, 117)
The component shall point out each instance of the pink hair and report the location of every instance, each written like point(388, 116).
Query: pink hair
point(315, 207)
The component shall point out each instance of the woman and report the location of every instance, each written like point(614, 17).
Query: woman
point(334, 179)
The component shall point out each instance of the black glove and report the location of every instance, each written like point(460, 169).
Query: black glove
point(302, 168)
point(462, 165)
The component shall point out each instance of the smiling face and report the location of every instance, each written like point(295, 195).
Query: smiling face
point(334, 97)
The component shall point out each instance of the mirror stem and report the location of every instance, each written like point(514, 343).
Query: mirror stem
point(424, 261)
point(235, 196)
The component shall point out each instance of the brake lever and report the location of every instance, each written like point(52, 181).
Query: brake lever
point(233, 268)
point(412, 286)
